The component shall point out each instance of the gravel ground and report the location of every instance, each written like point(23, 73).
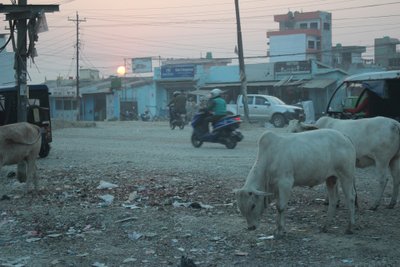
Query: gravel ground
point(165, 199)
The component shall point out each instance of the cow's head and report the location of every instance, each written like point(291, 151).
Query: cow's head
point(296, 126)
point(251, 204)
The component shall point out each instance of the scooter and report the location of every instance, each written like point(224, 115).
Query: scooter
point(225, 131)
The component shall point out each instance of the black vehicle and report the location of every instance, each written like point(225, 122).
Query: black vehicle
point(382, 89)
point(38, 111)
point(225, 131)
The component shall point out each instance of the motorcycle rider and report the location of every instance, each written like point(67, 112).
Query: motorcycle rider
point(177, 106)
point(216, 105)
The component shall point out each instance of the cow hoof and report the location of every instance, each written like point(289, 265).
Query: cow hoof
point(373, 208)
point(349, 232)
point(324, 229)
point(279, 234)
point(391, 206)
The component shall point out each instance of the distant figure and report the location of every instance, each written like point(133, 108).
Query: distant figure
point(216, 105)
point(364, 107)
point(177, 105)
point(191, 107)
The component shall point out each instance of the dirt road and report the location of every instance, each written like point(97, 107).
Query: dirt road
point(138, 194)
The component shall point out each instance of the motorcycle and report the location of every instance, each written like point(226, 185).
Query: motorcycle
point(178, 120)
point(225, 131)
point(145, 116)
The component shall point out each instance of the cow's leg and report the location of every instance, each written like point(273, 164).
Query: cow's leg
point(383, 173)
point(22, 171)
point(284, 190)
point(31, 174)
point(349, 192)
point(331, 186)
point(395, 171)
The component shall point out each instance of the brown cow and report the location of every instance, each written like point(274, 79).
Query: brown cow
point(20, 144)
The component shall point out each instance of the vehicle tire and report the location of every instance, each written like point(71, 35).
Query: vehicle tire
point(278, 120)
point(182, 126)
point(44, 150)
point(196, 142)
point(230, 143)
point(172, 125)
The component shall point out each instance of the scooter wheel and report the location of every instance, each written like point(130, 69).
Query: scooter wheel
point(172, 125)
point(230, 143)
point(196, 142)
point(182, 126)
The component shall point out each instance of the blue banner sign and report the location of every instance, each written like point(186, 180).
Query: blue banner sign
point(178, 71)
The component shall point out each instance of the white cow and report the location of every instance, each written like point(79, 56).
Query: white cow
point(377, 143)
point(20, 144)
point(305, 159)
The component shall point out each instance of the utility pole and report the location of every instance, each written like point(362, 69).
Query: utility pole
point(19, 15)
point(78, 98)
point(242, 72)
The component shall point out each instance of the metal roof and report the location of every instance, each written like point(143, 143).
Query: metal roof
point(381, 75)
point(318, 83)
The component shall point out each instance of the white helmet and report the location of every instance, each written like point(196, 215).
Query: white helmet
point(215, 92)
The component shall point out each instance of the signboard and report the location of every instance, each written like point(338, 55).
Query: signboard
point(293, 66)
point(142, 65)
point(178, 71)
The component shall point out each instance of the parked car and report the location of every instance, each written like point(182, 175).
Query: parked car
point(383, 89)
point(38, 111)
point(267, 108)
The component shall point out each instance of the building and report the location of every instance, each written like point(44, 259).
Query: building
point(386, 53)
point(301, 36)
point(7, 72)
point(345, 57)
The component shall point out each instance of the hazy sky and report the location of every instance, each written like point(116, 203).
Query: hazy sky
point(123, 29)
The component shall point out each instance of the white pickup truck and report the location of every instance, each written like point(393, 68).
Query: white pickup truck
point(267, 108)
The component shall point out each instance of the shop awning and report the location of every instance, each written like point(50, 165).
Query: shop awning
point(318, 83)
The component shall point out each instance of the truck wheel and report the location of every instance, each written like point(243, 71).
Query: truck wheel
point(44, 150)
point(278, 120)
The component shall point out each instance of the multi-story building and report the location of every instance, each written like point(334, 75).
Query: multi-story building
point(301, 36)
point(386, 54)
point(346, 57)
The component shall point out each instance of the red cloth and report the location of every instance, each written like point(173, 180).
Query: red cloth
point(362, 107)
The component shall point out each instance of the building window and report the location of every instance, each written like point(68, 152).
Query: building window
point(303, 25)
point(327, 26)
point(311, 44)
point(66, 104)
point(59, 105)
point(314, 25)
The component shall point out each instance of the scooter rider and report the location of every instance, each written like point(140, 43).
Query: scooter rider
point(177, 106)
point(216, 105)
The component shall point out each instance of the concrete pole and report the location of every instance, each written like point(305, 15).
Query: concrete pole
point(21, 69)
point(242, 71)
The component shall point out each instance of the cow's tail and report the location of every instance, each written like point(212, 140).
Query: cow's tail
point(397, 128)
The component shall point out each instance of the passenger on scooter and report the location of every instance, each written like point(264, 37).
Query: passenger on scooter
point(177, 106)
point(216, 105)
